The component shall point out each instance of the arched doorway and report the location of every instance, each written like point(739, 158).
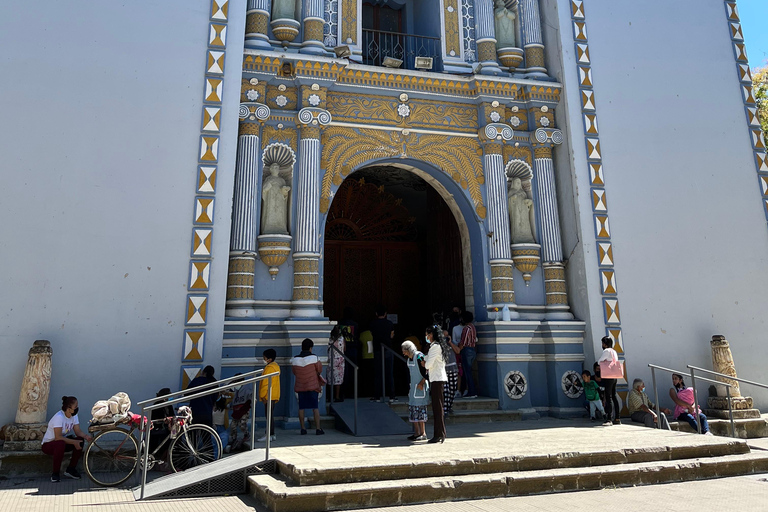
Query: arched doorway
point(391, 239)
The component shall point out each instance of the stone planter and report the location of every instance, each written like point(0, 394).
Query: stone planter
point(510, 57)
point(526, 258)
point(285, 30)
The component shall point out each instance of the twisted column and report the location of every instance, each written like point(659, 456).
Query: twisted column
point(313, 27)
point(257, 24)
point(551, 243)
point(486, 37)
point(242, 261)
point(533, 43)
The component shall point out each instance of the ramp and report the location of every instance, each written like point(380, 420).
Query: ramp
point(373, 418)
point(225, 476)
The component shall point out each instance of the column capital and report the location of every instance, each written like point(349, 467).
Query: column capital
point(542, 151)
point(495, 132)
point(253, 111)
point(247, 128)
point(313, 116)
point(547, 136)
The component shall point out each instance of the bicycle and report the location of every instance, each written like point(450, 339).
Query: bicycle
point(113, 456)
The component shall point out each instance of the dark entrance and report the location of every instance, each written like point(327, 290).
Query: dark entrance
point(391, 239)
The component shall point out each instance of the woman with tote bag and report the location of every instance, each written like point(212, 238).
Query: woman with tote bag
point(610, 370)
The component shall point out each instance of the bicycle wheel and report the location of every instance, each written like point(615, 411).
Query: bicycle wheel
point(111, 458)
point(195, 445)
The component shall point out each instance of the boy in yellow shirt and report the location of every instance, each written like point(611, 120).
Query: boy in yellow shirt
point(271, 367)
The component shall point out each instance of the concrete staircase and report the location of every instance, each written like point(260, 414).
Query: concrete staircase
point(466, 410)
point(460, 476)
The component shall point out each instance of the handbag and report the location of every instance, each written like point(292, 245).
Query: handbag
point(612, 369)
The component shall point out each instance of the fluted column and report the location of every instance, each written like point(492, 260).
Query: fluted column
point(242, 261)
point(313, 27)
point(486, 37)
point(533, 43)
point(257, 24)
point(551, 242)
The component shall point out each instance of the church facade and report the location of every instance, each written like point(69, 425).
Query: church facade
point(434, 154)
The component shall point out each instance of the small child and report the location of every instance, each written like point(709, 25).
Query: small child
point(220, 410)
point(271, 367)
point(592, 395)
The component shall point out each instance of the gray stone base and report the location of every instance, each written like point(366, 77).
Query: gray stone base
point(721, 402)
point(27, 463)
point(738, 414)
point(23, 436)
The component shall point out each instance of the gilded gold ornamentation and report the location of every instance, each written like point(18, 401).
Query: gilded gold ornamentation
point(362, 108)
point(501, 271)
point(538, 115)
point(486, 51)
point(518, 153)
point(305, 265)
point(349, 21)
point(452, 30)
point(510, 57)
point(534, 57)
point(261, 64)
point(245, 264)
point(240, 280)
point(554, 273)
point(248, 128)
point(459, 157)
point(256, 23)
point(306, 92)
point(540, 93)
point(274, 253)
point(306, 294)
point(526, 258)
point(542, 152)
point(310, 132)
point(327, 70)
point(289, 100)
point(245, 86)
point(287, 136)
point(313, 30)
point(492, 148)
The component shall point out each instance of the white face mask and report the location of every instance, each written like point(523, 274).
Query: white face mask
point(266, 362)
point(426, 338)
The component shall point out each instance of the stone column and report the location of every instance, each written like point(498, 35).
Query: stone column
point(551, 244)
point(486, 37)
point(313, 27)
point(257, 24)
point(27, 431)
point(242, 253)
point(306, 255)
point(722, 362)
point(533, 43)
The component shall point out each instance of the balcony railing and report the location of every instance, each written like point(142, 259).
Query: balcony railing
point(378, 45)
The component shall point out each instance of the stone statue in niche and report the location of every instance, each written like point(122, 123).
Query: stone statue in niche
point(520, 213)
point(505, 25)
point(274, 203)
point(284, 9)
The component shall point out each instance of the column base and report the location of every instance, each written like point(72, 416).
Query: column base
point(497, 316)
point(556, 291)
point(257, 29)
point(558, 313)
point(486, 54)
point(534, 61)
point(240, 309)
point(240, 279)
point(307, 309)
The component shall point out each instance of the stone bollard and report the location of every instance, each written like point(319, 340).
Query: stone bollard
point(717, 405)
point(26, 433)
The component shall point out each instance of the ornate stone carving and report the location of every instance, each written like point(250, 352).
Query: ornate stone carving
point(505, 25)
point(520, 213)
point(31, 415)
point(516, 385)
point(274, 205)
point(722, 362)
point(571, 384)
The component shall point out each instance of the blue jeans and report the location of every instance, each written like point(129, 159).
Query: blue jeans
point(468, 356)
point(692, 421)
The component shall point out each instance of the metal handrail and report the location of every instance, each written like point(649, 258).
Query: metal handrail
point(215, 383)
point(400, 34)
point(737, 379)
point(330, 365)
point(384, 368)
point(654, 367)
point(220, 385)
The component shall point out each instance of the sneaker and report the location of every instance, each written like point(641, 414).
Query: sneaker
point(72, 473)
point(708, 434)
point(607, 423)
point(262, 438)
point(421, 438)
point(55, 477)
point(303, 431)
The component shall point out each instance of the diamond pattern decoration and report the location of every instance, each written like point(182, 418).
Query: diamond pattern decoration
point(608, 281)
point(580, 30)
point(201, 242)
point(611, 307)
point(746, 91)
point(598, 200)
point(197, 309)
point(585, 77)
point(206, 179)
point(736, 32)
point(744, 73)
point(733, 11)
point(590, 123)
point(194, 341)
point(596, 173)
point(587, 100)
point(601, 226)
point(752, 116)
point(741, 51)
point(577, 9)
point(219, 10)
point(188, 373)
point(215, 62)
point(762, 161)
point(764, 184)
point(211, 119)
point(217, 35)
point(200, 272)
point(618, 338)
point(757, 139)
point(213, 88)
point(582, 53)
point(209, 149)
point(203, 210)
point(593, 149)
point(605, 253)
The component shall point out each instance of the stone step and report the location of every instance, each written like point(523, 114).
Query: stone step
point(475, 416)
point(460, 404)
point(752, 428)
point(279, 494)
point(306, 473)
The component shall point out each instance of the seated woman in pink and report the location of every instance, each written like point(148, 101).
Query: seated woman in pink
point(684, 410)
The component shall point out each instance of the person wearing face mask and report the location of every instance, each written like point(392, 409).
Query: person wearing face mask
point(684, 405)
point(270, 367)
point(437, 357)
point(641, 409)
point(64, 435)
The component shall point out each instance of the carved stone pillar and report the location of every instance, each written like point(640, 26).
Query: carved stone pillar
point(722, 362)
point(306, 256)
point(313, 27)
point(242, 255)
point(551, 243)
point(257, 24)
point(27, 431)
point(486, 37)
point(533, 43)
point(493, 137)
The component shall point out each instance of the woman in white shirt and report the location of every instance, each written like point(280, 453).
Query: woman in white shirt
point(611, 400)
point(60, 438)
point(435, 365)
